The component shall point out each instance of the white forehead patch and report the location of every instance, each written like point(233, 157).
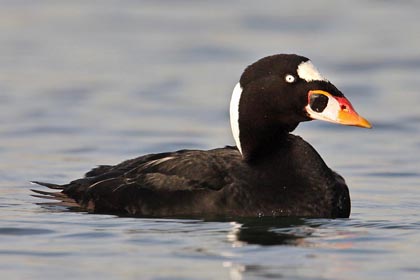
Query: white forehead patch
point(307, 71)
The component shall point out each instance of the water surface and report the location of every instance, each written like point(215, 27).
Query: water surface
point(86, 83)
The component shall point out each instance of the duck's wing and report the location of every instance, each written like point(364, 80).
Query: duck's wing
point(151, 183)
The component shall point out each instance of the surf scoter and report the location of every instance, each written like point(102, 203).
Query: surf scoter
point(270, 172)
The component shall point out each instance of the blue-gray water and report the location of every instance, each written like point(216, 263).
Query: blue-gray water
point(96, 82)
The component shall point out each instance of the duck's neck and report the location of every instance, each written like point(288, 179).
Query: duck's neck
point(256, 135)
point(259, 142)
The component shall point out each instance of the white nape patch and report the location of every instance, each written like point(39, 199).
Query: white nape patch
point(307, 71)
point(234, 114)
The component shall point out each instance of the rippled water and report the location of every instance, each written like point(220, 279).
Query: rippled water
point(95, 82)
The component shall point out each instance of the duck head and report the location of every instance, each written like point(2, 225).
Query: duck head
point(278, 92)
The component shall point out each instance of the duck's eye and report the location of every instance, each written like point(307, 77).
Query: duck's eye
point(318, 102)
point(290, 78)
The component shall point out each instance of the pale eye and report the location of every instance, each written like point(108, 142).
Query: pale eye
point(290, 78)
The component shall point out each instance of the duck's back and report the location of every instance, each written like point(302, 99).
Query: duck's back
point(292, 181)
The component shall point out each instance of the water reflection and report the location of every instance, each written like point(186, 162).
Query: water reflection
point(235, 270)
point(333, 236)
point(265, 231)
point(268, 231)
point(299, 232)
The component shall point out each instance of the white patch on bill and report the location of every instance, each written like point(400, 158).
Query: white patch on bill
point(234, 114)
point(308, 72)
point(329, 114)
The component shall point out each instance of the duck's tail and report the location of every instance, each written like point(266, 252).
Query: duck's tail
point(45, 194)
point(64, 200)
point(48, 185)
